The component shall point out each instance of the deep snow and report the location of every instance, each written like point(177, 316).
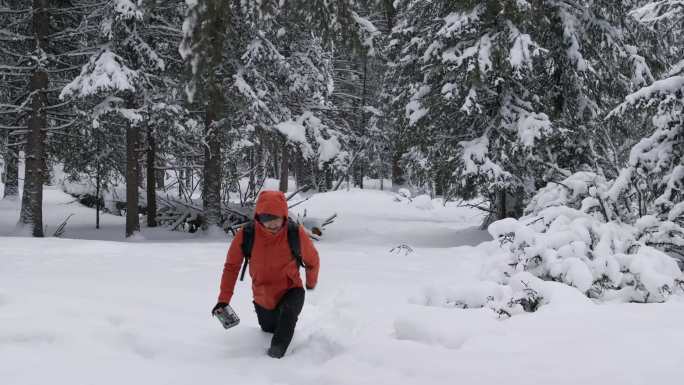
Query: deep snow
point(106, 311)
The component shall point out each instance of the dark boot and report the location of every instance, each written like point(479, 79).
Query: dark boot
point(276, 351)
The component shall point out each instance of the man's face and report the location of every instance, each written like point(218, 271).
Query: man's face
point(273, 225)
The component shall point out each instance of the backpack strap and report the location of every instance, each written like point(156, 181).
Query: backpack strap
point(293, 241)
point(247, 244)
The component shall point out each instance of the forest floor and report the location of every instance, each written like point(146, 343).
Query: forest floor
point(92, 308)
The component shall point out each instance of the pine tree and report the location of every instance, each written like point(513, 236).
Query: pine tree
point(39, 52)
point(471, 95)
point(655, 170)
point(115, 86)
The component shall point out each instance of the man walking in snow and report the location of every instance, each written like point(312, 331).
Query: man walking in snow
point(274, 267)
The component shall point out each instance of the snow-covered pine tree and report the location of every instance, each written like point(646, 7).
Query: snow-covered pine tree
point(358, 71)
point(114, 86)
point(471, 92)
point(277, 73)
point(167, 112)
point(650, 189)
point(40, 50)
point(214, 38)
point(34, 103)
point(14, 16)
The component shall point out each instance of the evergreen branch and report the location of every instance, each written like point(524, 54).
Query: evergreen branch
point(15, 11)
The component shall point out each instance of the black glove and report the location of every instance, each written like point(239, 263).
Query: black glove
point(310, 288)
point(219, 305)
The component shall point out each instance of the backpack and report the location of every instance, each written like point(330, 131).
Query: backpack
point(292, 240)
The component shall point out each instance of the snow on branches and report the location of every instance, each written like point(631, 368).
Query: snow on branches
point(572, 234)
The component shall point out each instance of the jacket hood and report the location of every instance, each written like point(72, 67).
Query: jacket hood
point(271, 202)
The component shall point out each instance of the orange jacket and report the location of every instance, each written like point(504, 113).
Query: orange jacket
point(272, 267)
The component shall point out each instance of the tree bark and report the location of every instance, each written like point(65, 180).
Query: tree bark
point(358, 174)
point(212, 156)
point(284, 167)
point(218, 18)
point(34, 175)
point(161, 178)
point(299, 170)
point(97, 195)
point(151, 179)
point(326, 181)
point(11, 175)
point(132, 221)
point(389, 13)
point(398, 178)
point(132, 168)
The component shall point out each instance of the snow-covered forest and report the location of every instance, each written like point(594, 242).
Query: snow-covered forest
point(496, 188)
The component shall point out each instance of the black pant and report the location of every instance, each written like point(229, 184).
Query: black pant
point(282, 320)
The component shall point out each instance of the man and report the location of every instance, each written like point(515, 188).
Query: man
point(276, 284)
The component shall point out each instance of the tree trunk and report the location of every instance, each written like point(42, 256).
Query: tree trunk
point(34, 175)
point(139, 151)
point(284, 167)
point(97, 195)
point(500, 204)
point(218, 16)
point(389, 13)
point(326, 183)
point(299, 170)
point(261, 158)
point(505, 203)
point(151, 179)
point(132, 221)
point(275, 150)
point(251, 186)
point(161, 178)
point(358, 174)
point(181, 179)
point(440, 182)
point(11, 175)
point(212, 156)
point(398, 178)
point(132, 170)
point(304, 172)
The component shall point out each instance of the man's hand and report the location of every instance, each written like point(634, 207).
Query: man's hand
point(218, 306)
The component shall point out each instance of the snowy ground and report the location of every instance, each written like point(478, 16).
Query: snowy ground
point(97, 310)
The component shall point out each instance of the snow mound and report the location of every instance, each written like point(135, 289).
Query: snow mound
point(568, 236)
point(523, 293)
point(423, 202)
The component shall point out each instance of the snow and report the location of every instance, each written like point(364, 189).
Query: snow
point(456, 22)
point(292, 130)
point(569, 236)
point(104, 72)
point(485, 54)
point(476, 158)
point(414, 109)
point(369, 31)
point(457, 55)
point(572, 40)
point(522, 49)
point(128, 9)
point(533, 126)
point(676, 69)
point(326, 148)
point(659, 11)
point(470, 105)
point(659, 87)
point(108, 311)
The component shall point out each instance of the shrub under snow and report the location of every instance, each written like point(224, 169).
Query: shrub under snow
point(570, 236)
